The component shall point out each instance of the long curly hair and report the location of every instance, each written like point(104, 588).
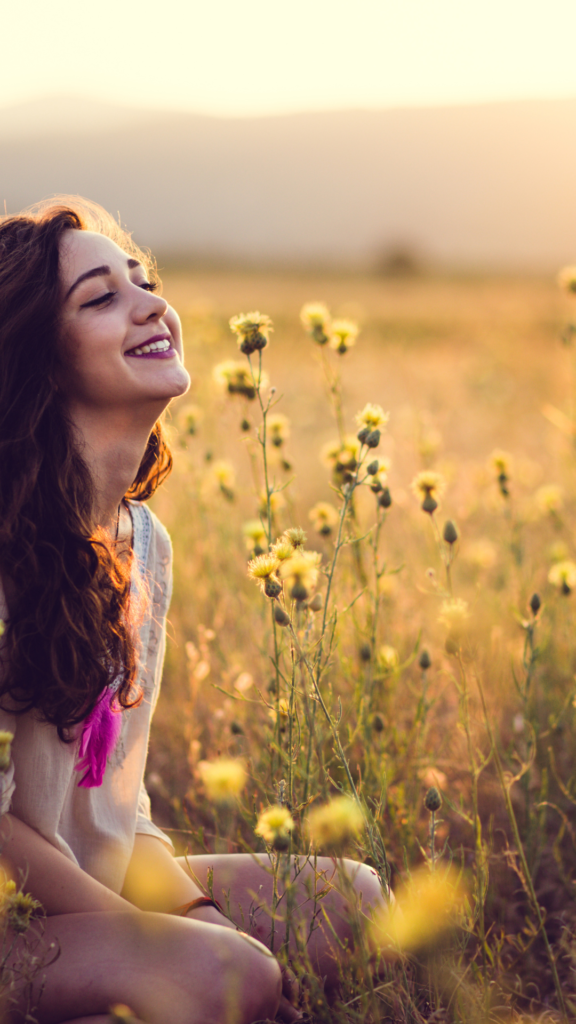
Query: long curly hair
point(68, 633)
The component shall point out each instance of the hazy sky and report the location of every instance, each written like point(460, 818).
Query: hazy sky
point(266, 56)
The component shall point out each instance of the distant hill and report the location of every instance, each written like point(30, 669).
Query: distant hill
point(491, 185)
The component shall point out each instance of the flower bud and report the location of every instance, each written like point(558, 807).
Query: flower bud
point(280, 616)
point(378, 723)
point(299, 592)
point(429, 504)
point(363, 434)
point(272, 588)
point(424, 661)
point(315, 604)
point(245, 425)
point(373, 439)
point(236, 729)
point(432, 800)
point(365, 652)
point(385, 498)
point(373, 467)
point(535, 604)
point(450, 534)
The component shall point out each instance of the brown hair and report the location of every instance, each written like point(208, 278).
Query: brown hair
point(68, 634)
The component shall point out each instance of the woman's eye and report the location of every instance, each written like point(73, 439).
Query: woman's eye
point(149, 286)
point(100, 301)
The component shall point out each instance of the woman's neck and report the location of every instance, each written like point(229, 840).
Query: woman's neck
point(112, 449)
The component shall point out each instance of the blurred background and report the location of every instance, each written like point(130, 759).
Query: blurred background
point(381, 136)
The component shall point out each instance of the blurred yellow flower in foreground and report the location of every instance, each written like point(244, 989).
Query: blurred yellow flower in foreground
point(278, 429)
point(343, 335)
point(501, 461)
point(5, 749)
point(429, 904)
point(315, 319)
point(254, 534)
point(276, 822)
point(388, 658)
point(223, 780)
point(334, 822)
point(454, 614)
point(373, 417)
point(236, 379)
point(18, 907)
point(324, 517)
point(567, 279)
point(563, 576)
point(549, 499)
point(301, 573)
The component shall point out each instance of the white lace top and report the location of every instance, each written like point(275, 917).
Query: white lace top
point(96, 827)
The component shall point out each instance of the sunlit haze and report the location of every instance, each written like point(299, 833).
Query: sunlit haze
point(262, 57)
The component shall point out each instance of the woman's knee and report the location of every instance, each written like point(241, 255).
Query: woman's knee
point(253, 976)
point(366, 884)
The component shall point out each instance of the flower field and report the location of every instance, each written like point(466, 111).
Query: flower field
point(372, 646)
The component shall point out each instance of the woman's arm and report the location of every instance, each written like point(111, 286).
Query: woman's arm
point(61, 886)
point(155, 881)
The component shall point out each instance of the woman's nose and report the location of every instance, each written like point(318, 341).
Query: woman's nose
point(151, 307)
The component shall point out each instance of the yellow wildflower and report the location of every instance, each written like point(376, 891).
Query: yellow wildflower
point(296, 536)
point(301, 573)
point(274, 823)
point(454, 614)
point(428, 487)
point(315, 318)
point(342, 458)
point(283, 549)
point(343, 334)
point(277, 502)
point(223, 779)
point(235, 378)
point(189, 419)
point(563, 576)
point(18, 907)
point(426, 906)
point(567, 279)
point(254, 535)
point(324, 517)
point(263, 571)
point(373, 417)
point(501, 461)
point(252, 330)
point(388, 658)
point(335, 822)
point(278, 429)
point(549, 499)
point(5, 750)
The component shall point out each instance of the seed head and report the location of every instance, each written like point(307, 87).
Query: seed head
point(563, 576)
point(535, 604)
point(274, 823)
point(450, 533)
point(223, 779)
point(343, 335)
point(567, 279)
point(373, 417)
point(424, 661)
point(433, 800)
point(335, 822)
point(324, 517)
point(252, 330)
point(315, 318)
point(235, 378)
point(428, 487)
point(279, 429)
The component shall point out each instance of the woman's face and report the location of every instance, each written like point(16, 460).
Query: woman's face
point(122, 344)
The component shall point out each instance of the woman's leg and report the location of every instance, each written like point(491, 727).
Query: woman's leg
point(165, 968)
point(244, 881)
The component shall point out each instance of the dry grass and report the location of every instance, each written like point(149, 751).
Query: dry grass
point(464, 366)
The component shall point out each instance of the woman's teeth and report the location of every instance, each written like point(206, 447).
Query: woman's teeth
point(154, 346)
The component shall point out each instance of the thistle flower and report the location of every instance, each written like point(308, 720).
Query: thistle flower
point(433, 800)
point(567, 279)
point(189, 419)
point(223, 475)
point(296, 536)
point(301, 573)
point(388, 658)
point(5, 749)
point(429, 904)
point(275, 824)
point(18, 907)
point(282, 549)
point(279, 429)
point(501, 461)
point(378, 471)
point(373, 417)
point(549, 499)
point(223, 779)
point(343, 334)
point(454, 615)
point(335, 822)
point(235, 378)
point(254, 536)
point(252, 330)
point(324, 517)
point(263, 571)
point(563, 576)
point(315, 319)
point(342, 458)
point(428, 487)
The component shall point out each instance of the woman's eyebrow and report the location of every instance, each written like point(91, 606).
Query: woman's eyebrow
point(97, 272)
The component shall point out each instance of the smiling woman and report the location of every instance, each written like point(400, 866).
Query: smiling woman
point(90, 357)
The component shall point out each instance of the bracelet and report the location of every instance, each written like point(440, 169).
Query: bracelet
point(202, 901)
